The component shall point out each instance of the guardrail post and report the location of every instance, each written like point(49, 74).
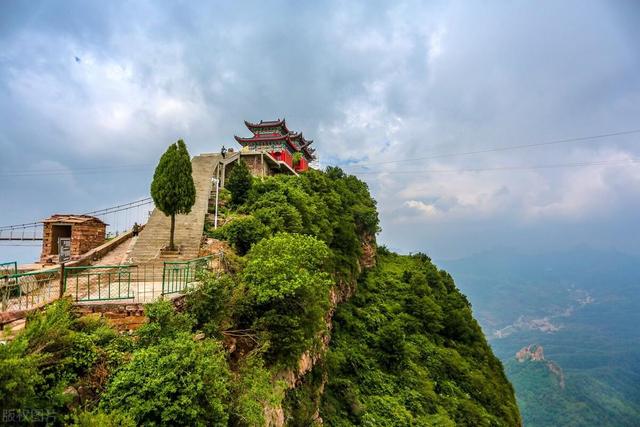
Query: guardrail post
point(5, 293)
point(62, 281)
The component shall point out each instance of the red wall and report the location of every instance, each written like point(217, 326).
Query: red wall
point(302, 166)
point(283, 156)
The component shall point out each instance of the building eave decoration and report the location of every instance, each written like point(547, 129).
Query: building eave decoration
point(295, 140)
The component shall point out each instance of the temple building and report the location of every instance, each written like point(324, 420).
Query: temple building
point(276, 140)
point(272, 149)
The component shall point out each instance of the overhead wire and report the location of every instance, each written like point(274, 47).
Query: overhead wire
point(502, 148)
point(80, 171)
point(502, 168)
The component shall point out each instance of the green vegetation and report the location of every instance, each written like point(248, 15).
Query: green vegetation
point(592, 344)
point(296, 158)
point(405, 349)
point(287, 295)
point(243, 233)
point(172, 188)
point(42, 369)
point(239, 182)
point(175, 382)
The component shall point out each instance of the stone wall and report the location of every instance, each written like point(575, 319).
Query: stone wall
point(125, 317)
point(256, 164)
point(87, 236)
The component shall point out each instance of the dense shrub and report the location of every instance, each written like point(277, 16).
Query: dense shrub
point(242, 233)
point(164, 322)
point(101, 419)
point(239, 182)
point(174, 382)
point(407, 351)
point(211, 303)
point(288, 293)
point(334, 207)
point(53, 352)
point(253, 390)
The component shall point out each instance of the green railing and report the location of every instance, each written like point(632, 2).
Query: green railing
point(137, 283)
point(178, 276)
point(22, 291)
point(7, 268)
point(99, 282)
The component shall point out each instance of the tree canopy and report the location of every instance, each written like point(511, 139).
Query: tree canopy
point(172, 188)
point(239, 182)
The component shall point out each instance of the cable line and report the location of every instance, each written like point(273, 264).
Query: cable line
point(503, 148)
point(79, 171)
point(501, 168)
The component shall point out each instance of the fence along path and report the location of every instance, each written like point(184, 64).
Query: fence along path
point(127, 283)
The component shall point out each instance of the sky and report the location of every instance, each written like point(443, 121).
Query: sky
point(402, 94)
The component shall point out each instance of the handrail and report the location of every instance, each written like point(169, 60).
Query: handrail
point(86, 267)
point(10, 263)
point(208, 257)
point(32, 273)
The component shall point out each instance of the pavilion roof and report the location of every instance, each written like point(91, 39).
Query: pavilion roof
point(295, 140)
point(268, 124)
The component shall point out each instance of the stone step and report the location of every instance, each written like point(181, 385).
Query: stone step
point(189, 228)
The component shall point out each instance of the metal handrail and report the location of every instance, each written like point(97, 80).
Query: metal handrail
point(208, 257)
point(12, 263)
point(32, 273)
point(86, 267)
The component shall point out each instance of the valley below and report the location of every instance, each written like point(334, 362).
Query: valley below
point(581, 307)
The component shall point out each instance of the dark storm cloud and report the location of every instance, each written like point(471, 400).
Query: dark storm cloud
point(369, 81)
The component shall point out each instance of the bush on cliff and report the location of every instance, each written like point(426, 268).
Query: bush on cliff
point(287, 294)
point(405, 350)
point(175, 382)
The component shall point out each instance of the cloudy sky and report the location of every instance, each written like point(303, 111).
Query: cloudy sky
point(419, 99)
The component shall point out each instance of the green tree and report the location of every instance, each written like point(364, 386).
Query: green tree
point(296, 158)
point(172, 189)
point(243, 233)
point(239, 183)
point(288, 293)
point(175, 382)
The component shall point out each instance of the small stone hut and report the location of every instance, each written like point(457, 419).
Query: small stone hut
point(86, 232)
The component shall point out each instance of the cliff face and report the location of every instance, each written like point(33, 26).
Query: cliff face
point(302, 380)
point(405, 350)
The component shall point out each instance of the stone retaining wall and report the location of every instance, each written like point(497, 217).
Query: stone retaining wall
point(125, 317)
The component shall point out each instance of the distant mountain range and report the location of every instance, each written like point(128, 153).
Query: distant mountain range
point(582, 306)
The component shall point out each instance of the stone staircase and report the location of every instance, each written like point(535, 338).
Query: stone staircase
point(189, 228)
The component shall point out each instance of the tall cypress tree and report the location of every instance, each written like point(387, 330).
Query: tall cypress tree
point(172, 189)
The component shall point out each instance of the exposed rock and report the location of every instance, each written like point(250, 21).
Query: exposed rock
point(535, 353)
point(369, 251)
point(73, 394)
point(532, 352)
point(274, 416)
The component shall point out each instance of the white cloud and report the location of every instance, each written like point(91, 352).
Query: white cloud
point(372, 84)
